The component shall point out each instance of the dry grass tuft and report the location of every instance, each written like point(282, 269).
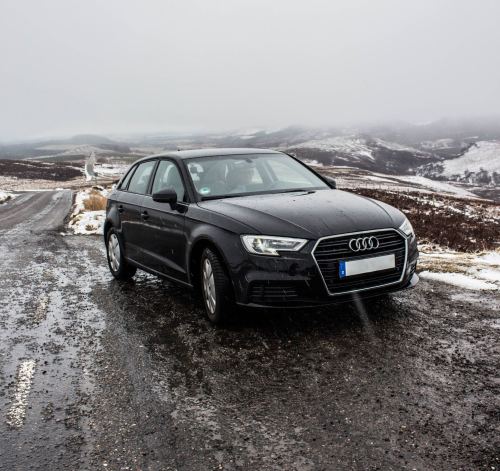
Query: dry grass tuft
point(95, 202)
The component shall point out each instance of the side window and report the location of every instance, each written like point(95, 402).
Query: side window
point(168, 176)
point(140, 179)
point(127, 178)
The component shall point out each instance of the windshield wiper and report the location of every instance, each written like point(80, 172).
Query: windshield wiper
point(220, 197)
point(269, 192)
point(307, 190)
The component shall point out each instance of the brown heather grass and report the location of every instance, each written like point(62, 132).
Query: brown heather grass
point(95, 202)
point(459, 224)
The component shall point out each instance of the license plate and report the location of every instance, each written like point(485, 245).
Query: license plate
point(366, 265)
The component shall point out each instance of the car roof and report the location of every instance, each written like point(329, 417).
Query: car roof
point(188, 154)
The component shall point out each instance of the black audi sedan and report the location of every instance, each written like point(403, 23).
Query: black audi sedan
point(257, 228)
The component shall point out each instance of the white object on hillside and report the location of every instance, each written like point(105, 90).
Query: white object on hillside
point(89, 167)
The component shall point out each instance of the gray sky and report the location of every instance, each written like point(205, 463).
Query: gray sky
point(72, 66)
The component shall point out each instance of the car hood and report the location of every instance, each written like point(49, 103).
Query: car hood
point(307, 214)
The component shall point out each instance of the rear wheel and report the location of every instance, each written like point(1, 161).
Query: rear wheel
point(215, 287)
point(118, 266)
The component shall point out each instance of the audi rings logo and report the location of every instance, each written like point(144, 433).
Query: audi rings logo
point(363, 243)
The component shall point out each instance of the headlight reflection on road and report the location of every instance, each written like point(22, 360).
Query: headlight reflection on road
point(363, 316)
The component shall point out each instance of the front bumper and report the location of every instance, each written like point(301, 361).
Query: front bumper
point(294, 280)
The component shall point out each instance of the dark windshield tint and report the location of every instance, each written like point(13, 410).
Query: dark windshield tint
point(249, 174)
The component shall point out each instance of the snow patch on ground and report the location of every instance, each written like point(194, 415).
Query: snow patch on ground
point(458, 279)
point(489, 275)
point(83, 221)
point(351, 178)
point(490, 258)
point(5, 196)
point(395, 146)
point(437, 186)
point(313, 163)
point(465, 270)
point(89, 222)
point(111, 170)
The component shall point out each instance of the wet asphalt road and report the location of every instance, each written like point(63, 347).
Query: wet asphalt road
point(95, 374)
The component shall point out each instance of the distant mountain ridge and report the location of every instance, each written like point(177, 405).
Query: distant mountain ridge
point(457, 150)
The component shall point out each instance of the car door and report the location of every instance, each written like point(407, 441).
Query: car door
point(129, 206)
point(164, 242)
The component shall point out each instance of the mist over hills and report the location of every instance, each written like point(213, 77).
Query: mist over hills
point(466, 150)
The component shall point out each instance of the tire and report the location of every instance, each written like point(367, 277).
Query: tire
point(216, 287)
point(117, 264)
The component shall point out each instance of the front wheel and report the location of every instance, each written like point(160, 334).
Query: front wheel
point(118, 266)
point(215, 287)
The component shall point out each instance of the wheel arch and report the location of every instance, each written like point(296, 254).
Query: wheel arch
point(194, 258)
point(112, 220)
point(107, 226)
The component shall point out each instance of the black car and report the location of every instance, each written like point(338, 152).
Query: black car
point(256, 228)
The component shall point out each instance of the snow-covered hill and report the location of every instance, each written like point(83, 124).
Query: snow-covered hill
point(484, 155)
point(364, 152)
point(480, 164)
point(347, 148)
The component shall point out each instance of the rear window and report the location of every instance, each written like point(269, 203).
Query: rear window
point(140, 180)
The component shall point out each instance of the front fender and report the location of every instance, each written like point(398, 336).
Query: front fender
point(227, 243)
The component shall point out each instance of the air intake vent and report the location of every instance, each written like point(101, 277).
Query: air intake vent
point(270, 292)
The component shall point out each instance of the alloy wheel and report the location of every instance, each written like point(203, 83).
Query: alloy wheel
point(114, 252)
point(209, 286)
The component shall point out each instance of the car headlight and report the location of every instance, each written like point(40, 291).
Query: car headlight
point(407, 228)
point(266, 245)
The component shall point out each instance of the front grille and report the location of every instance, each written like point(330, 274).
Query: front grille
point(270, 292)
point(329, 252)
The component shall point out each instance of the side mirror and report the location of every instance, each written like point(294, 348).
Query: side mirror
point(166, 196)
point(331, 181)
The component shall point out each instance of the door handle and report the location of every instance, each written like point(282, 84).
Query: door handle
point(120, 208)
point(144, 215)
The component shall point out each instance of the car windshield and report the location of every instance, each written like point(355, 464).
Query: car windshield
point(240, 175)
